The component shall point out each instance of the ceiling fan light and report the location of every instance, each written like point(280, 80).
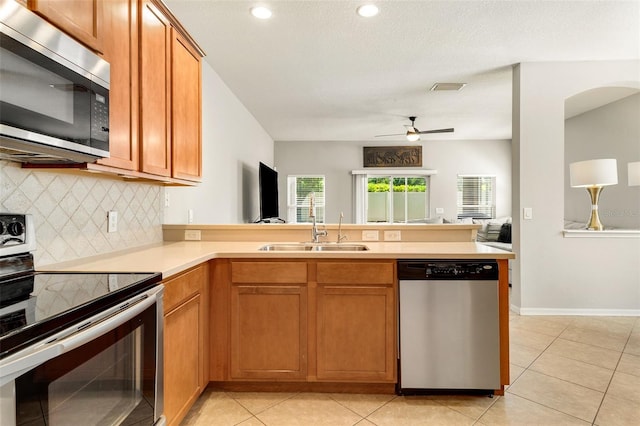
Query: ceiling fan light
point(367, 10)
point(413, 136)
point(261, 12)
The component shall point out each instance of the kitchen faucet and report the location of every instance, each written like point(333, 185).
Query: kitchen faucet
point(340, 236)
point(315, 233)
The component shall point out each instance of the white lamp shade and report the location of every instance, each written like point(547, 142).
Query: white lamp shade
point(412, 136)
point(599, 172)
point(634, 173)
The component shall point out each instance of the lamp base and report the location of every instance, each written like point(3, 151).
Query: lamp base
point(594, 222)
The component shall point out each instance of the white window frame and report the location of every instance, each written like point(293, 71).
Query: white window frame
point(481, 208)
point(293, 203)
point(361, 178)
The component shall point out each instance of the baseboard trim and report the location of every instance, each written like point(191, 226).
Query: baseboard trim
point(577, 312)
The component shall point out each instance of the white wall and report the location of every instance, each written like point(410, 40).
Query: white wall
point(554, 274)
point(233, 143)
point(336, 160)
point(611, 131)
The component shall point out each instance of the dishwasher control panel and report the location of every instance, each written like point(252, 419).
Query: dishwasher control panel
point(447, 270)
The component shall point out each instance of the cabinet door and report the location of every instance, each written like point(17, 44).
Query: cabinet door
point(121, 51)
point(356, 333)
point(356, 321)
point(82, 20)
point(182, 359)
point(186, 342)
point(186, 111)
point(155, 91)
point(268, 332)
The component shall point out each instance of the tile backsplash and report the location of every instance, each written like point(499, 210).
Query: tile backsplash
point(70, 211)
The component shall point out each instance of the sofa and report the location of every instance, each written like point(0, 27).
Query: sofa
point(495, 232)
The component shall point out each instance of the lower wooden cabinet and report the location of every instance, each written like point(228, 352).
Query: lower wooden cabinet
point(356, 321)
point(268, 320)
point(185, 341)
point(355, 333)
point(307, 320)
point(268, 332)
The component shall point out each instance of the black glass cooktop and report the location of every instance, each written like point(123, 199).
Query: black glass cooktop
point(38, 304)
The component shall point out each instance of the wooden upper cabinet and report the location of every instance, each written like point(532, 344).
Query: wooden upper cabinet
point(81, 19)
point(186, 110)
point(121, 51)
point(155, 91)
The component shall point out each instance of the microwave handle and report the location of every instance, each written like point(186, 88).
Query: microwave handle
point(15, 368)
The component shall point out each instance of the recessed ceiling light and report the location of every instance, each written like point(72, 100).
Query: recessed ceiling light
point(367, 10)
point(447, 86)
point(261, 12)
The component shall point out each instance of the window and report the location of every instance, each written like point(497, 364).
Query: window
point(300, 191)
point(396, 199)
point(391, 196)
point(476, 196)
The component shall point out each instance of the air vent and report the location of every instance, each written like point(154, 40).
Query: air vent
point(447, 86)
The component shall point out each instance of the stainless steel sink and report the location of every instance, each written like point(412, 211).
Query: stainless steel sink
point(313, 247)
point(286, 247)
point(340, 247)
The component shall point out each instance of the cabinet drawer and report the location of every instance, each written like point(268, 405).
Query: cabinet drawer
point(180, 288)
point(269, 272)
point(355, 272)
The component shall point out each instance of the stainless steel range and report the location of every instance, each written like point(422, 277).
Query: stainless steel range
point(76, 348)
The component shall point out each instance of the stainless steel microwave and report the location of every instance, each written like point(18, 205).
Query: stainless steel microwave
point(54, 93)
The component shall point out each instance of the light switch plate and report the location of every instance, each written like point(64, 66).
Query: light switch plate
point(527, 213)
point(370, 235)
point(439, 210)
point(112, 221)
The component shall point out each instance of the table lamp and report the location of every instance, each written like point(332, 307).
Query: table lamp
point(593, 175)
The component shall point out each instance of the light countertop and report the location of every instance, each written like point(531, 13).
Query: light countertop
point(170, 258)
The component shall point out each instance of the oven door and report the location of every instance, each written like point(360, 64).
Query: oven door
point(106, 371)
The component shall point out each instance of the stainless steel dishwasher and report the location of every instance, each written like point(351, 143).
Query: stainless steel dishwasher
point(449, 326)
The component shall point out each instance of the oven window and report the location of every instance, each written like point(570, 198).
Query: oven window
point(105, 382)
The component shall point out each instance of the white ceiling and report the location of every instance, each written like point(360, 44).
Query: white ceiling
point(317, 71)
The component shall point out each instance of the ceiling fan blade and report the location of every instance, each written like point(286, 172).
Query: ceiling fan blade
point(396, 134)
point(437, 131)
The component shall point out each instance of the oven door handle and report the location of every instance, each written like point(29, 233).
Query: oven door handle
point(97, 326)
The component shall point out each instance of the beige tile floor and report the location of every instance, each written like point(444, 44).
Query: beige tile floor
point(564, 371)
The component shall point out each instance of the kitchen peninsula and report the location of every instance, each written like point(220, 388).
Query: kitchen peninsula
point(241, 318)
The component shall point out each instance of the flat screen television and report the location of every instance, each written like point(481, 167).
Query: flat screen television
point(268, 182)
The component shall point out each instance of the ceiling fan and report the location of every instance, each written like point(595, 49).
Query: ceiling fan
point(413, 134)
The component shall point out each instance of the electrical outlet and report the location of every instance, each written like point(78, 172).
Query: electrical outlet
point(113, 282)
point(166, 199)
point(190, 216)
point(112, 219)
point(370, 235)
point(439, 210)
point(392, 235)
point(192, 235)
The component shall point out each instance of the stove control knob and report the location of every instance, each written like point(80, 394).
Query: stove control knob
point(15, 228)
